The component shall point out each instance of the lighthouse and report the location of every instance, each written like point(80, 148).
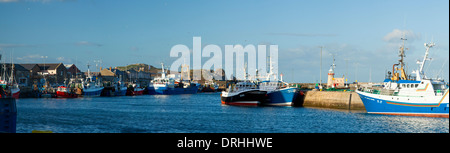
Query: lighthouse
point(330, 82)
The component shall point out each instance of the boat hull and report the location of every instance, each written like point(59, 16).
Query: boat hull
point(246, 98)
point(208, 89)
point(92, 92)
point(418, 106)
point(60, 94)
point(172, 91)
point(282, 97)
point(15, 94)
point(121, 92)
point(138, 91)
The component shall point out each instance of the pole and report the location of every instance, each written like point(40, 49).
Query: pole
point(346, 71)
point(356, 74)
point(320, 79)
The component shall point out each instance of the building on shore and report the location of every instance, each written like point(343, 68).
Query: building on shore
point(335, 82)
point(21, 74)
point(72, 71)
point(332, 81)
point(55, 73)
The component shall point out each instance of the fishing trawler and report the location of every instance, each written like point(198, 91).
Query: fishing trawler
point(10, 90)
point(209, 86)
point(91, 86)
point(137, 89)
point(119, 88)
point(169, 86)
point(279, 92)
point(243, 93)
point(9, 87)
point(68, 90)
point(65, 92)
point(411, 96)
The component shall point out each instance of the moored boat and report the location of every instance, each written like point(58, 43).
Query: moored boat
point(120, 90)
point(279, 93)
point(91, 86)
point(137, 89)
point(64, 92)
point(9, 87)
point(92, 91)
point(401, 95)
point(8, 90)
point(243, 93)
point(209, 86)
point(169, 86)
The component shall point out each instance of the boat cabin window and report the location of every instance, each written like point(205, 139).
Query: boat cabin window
point(439, 87)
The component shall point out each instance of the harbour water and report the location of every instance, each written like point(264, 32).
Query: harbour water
point(203, 113)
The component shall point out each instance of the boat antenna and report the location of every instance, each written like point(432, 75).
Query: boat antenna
point(442, 68)
point(401, 53)
point(425, 58)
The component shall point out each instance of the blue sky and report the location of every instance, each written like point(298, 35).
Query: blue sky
point(141, 31)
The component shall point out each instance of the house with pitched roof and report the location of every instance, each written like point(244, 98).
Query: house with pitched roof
point(72, 70)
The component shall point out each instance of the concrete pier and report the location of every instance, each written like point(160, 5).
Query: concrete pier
point(333, 99)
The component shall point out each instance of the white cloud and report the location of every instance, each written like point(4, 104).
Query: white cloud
point(396, 35)
point(29, 58)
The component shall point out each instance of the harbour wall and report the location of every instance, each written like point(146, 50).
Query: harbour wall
point(333, 99)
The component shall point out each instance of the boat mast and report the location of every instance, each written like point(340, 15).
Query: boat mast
point(89, 72)
point(402, 53)
point(395, 75)
point(245, 71)
point(11, 77)
point(270, 74)
point(163, 74)
point(3, 69)
point(420, 73)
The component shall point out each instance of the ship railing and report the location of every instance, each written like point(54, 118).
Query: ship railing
point(379, 91)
